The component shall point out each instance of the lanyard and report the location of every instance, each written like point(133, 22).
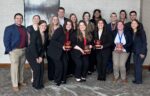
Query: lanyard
point(120, 37)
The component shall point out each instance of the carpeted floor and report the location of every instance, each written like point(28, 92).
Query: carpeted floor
point(91, 87)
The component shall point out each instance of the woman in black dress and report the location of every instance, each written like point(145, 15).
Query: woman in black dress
point(31, 29)
point(35, 54)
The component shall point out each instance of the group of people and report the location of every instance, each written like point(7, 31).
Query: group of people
point(76, 48)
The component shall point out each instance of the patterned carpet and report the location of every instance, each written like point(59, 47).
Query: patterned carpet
point(90, 88)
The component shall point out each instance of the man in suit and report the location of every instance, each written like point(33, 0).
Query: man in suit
point(15, 42)
point(61, 15)
point(112, 28)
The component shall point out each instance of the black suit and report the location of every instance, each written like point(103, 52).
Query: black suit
point(36, 49)
point(112, 31)
point(103, 54)
point(81, 61)
point(55, 52)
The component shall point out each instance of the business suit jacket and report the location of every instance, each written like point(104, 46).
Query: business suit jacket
point(139, 45)
point(110, 29)
point(12, 38)
point(129, 40)
point(79, 43)
point(36, 48)
point(55, 47)
point(106, 40)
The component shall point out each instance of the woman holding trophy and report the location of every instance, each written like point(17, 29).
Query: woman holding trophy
point(81, 51)
point(122, 43)
point(103, 42)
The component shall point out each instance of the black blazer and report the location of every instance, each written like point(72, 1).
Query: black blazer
point(75, 41)
point(36, 48)
point(55, 47)
point(139, 43)
point(106, 39)
point(129, 40)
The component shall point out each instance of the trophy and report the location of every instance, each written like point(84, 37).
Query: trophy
point(87, 49)
point(97, 43)
point(68, 45)
point(119, 46)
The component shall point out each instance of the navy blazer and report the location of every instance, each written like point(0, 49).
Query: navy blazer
point(140, 43)
point(109, 29)
point(12, 38)
point(129, 41)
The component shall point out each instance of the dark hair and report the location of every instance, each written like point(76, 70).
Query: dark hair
point(64, 26)
point(18, 14)
point(139, 27)
point(95, 12)
point(124, 12)
point(113, 13)
point(41, 22)
point(104, 28)
point(61, 8)
point(87, 34)
point(133, 12)
point(37, 16)
point(86, 13)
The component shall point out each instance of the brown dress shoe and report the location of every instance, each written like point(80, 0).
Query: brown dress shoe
point(124, 81)
point(115, 80)
point(15, 89)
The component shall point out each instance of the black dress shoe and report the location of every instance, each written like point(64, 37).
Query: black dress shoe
point(135, 82)
point(58, 84)
point(63, 82)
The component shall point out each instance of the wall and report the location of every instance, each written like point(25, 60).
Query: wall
point(146, 22)
point(10, 7)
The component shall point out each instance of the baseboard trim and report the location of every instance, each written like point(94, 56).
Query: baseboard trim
point(7, 65)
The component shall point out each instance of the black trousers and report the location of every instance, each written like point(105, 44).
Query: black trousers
point(71, 64)
point(61, 68)
point(51, 68)
point(82, 63)
point(138, 61)
point(38, 72)
point(102, 60)
point(92, 61)
point(65, 65)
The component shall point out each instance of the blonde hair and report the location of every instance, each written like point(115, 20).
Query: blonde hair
point(51, 27)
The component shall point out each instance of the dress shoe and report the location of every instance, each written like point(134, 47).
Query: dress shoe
point(83, 79)
point(15, 89)
point(135, 82)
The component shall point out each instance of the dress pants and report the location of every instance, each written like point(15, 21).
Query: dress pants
point(51, 68)
point(138, 61)
point(82, 63)
point(102, 60)
point(17, 58)
point(92, 61)
point(38, 71)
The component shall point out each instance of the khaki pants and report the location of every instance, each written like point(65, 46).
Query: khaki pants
point(119, 61)
point(17, 58)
